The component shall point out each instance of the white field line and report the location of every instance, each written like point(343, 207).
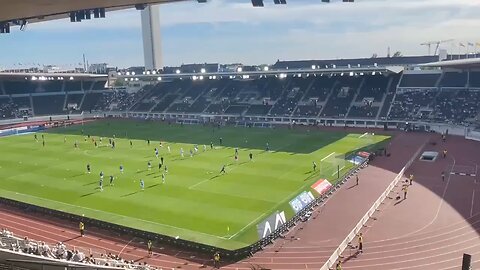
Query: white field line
point(363, 135)
point(333, 153)
point(336, 172)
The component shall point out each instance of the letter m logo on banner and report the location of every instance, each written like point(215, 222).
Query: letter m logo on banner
point(272, 223)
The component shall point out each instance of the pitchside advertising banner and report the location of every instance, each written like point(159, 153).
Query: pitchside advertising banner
point(322, 186)
point(301, 201)
point(272, 223)
point(359, 158)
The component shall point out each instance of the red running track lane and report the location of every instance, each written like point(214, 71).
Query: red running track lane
point(436, 224)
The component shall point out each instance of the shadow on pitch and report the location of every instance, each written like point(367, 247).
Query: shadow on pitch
point(91, 183)
point(129, 194)
point(77, 175)
point(88, 194)
point(213, 177)
point(152, 186)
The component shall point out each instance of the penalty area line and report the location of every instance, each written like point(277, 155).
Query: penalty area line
point(333, 153)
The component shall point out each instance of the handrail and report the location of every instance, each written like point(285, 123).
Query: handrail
point(351, 236)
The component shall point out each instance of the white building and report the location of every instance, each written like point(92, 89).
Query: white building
point(152, 50)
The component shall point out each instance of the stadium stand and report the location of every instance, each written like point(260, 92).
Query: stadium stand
point(61, 252)
point(48, 105)
point(454, 79)
point(419, 80)
point(449, 97)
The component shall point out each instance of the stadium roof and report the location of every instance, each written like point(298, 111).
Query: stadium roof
point(52, 9)
point(379, 61)
point(459, 63)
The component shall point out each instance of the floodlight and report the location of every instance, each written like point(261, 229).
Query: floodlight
point(194, 78)
point(177, 71)
point(239, 69)
point(128, 73)
point(133, 73)
point(71, 78)
point(203, 70)
point(265, 68)
point(159, 78)
point(257, 3)
point(201, 77)
point(154, 72)
point(314, 67)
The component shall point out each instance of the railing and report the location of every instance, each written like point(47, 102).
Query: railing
point(351, 236)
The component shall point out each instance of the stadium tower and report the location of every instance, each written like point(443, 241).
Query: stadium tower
point(152, 50)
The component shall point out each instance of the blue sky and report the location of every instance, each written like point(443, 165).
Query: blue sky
point(233, 31)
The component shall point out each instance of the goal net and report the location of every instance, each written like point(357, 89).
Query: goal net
point(332, 165)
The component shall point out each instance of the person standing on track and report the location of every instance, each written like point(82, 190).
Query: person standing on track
point(445, 153)
point(314, 166)
point(360, 242)
point(411, 179)
point(357, 179)
point(81, 227)
point(405, 191)
point(443, 176)
point(216, 260)
point(339, 265)
point(149, 246)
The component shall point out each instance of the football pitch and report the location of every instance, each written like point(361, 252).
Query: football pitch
point(196, 202)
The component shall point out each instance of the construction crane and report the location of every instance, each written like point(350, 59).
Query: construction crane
point(437, 43)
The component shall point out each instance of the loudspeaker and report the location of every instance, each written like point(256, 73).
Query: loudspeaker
point(467, 260)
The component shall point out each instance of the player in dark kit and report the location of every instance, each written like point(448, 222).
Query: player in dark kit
point(314, 166)
point(211, 145)
point(161, 159)
point(250, 156)
point(222, 171)
point(111, 180)
point(131, 144)
point(159, 166)
point(221, 141)
point(88, 168)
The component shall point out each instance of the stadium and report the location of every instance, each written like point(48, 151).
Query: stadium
point(356, 163)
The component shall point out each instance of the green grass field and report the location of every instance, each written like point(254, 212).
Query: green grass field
point(196, 202)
